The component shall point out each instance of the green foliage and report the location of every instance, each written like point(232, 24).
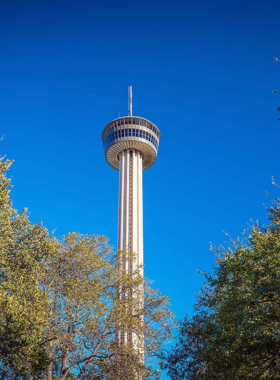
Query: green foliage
point(234, 333)
point(64, 302)
point(24, 248)
point(88, 312)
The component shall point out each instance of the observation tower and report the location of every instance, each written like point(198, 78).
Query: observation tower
point(131, 144)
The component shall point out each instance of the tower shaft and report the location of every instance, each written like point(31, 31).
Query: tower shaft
point(130, 229)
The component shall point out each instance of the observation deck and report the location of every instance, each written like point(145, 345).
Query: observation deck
point(131, 132)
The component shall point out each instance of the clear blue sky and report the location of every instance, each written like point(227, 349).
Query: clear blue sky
point(202, 71)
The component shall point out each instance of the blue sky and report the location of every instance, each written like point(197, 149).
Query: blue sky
point(201, 71)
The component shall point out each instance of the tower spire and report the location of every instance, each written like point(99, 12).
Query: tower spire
point(130, 100)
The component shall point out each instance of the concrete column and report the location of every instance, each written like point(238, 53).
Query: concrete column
point(130, 221)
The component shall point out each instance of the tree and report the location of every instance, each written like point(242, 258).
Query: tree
point(88, 312)
point(235, 330)
point(61, 308)
point(24, 248)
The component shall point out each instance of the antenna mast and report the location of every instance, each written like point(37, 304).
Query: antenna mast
point(130, 100)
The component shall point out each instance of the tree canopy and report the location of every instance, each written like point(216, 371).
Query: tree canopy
point(60, 304)
point(234, 332)
point(24, 248)
point(87, 313)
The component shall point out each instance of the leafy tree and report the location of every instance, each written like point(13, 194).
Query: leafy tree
point(63, 303)
point(235, 330)
point(24, 248)
point(88, 313)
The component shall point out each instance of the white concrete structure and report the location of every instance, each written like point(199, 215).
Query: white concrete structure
point(131, 145)
point(130, 231)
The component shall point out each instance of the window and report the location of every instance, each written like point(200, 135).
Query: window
point(133, 132)
point(129, 134)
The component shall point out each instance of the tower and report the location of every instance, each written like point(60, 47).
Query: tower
point(130, 145)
